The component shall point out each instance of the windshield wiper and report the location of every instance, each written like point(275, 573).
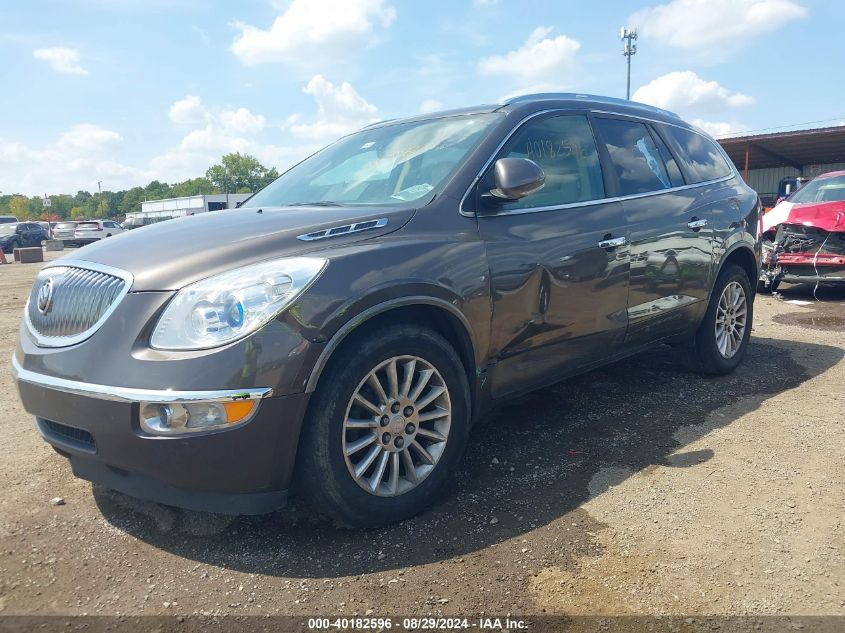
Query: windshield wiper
point(317, 203)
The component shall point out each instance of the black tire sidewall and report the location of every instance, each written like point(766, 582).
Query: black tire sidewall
point(707, 350)
point(322, 470)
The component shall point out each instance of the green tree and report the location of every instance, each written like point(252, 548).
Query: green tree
point(157, 190)
point(131, 201)
point(19, 207)
point(240, 172)
point(193, 187)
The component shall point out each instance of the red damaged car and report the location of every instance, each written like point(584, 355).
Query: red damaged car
point(804, 236)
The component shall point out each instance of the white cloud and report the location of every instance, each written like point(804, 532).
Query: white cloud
point(541, 60)
point(718, 129)
point(188, 111)
point(217, 132)
point(340, 110)
point(714, 24)
point(77, 160)
point(313, 31)
point(62, 60)
point(686, 91)
point(86, 153)
point(430, 105)
point(242, 121)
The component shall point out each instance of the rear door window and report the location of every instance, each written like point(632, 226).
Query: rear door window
point(700, 157)
point(564, 147)
point(672, 168)
point(635, 156)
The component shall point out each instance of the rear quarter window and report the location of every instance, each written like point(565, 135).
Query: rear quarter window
point(700, 157)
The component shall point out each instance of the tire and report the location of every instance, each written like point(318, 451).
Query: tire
point(707, 355)
point(327, 454)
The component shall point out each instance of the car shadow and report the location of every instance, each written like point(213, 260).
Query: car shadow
point(811, 292)
point(532, 462)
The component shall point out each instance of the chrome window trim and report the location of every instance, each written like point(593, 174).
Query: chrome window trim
point(66, 341)
point(130, 395)
point(353, 228)
point(572, 205)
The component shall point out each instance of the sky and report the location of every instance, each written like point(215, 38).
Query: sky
point(127, 91)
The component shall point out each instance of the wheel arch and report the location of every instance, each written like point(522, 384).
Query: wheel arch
point(438, 314)
point(742, 255)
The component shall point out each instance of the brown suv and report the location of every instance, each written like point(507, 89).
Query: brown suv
point(340, 333)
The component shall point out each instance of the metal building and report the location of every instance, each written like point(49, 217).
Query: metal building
point(158, 210)
point(763, 159)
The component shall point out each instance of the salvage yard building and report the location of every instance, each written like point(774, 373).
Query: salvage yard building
point(764, 159)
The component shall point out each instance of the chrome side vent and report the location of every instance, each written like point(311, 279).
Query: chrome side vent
point(343, 230)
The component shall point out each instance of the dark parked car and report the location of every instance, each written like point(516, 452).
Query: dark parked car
point(21, 235)
point(339, 335)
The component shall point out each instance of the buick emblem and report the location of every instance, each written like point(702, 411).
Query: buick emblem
point(45, 296)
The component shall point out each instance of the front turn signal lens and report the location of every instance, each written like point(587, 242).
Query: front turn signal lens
point(238, 411)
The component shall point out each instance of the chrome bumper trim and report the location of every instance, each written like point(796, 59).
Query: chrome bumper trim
point(126, 394)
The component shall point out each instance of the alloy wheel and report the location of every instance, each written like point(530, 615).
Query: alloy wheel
point(731, 319)
point(396, 426)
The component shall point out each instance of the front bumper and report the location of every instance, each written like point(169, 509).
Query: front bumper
point(245, 469)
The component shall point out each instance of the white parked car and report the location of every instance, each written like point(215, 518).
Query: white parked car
point(64, 231)
point(89, 231)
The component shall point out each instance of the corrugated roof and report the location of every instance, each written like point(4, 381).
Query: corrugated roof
point(787, 149)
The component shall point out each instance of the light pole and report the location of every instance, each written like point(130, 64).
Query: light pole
point(628, 50)
point(100, 190)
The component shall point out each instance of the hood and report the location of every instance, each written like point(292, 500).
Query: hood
point(171, 254)
point(828, 216)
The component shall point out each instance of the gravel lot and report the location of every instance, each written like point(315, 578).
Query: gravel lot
point(636, 489)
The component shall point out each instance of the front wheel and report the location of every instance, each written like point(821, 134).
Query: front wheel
point(722, 338)
point(386, 428)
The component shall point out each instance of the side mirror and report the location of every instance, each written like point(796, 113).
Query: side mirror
point(515, 178)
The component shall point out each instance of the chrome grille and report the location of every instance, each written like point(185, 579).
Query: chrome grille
point(69, 303)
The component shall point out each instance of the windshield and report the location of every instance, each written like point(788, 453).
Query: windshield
point(403, 162)
point(821, 190)
point(8, 228)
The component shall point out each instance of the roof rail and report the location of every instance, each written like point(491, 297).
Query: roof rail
point(574, 96)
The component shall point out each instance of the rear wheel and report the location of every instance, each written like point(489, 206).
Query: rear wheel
point(722, 338)
point(387, 427)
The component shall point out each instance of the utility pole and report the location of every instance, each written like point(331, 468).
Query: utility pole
point(628, 50)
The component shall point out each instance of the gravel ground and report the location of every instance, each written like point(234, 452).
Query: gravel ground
point(635, 489)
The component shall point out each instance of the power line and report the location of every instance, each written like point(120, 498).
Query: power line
point(781, 127)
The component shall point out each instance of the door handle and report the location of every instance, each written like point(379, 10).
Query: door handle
point(613, 242)
point(696, 224)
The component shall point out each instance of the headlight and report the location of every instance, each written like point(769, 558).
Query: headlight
point(232, 305)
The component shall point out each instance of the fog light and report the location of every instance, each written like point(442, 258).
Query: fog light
point(174, 418)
